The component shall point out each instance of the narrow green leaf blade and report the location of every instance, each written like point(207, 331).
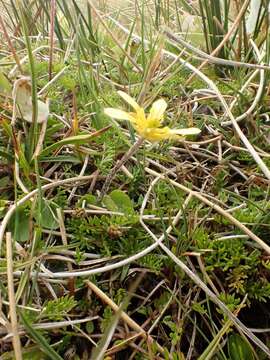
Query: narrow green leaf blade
point(73, 140)
point(39, 339)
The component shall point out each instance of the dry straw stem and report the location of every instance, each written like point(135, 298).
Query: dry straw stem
point(80, 174)
point(258, 92)
point(61, 222)
point(211, 59)
point(11, 297)
point(53, 80)
point(17, 176)
point(127, 340)
point(40, 142)
point(131, 323)
point(51, 325)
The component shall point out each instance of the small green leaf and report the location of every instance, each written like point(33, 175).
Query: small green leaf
point(117, 200)
point(239, 348)
point(89, 199)
point(109, 203)
point(48, 218)
point(90, 327)
point(62, 158)
point(73, 140)
point(19, 224)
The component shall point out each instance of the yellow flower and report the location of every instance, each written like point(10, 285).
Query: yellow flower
point(149, 127)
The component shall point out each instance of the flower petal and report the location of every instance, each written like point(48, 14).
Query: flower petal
point(157, 134)
point(118, 114)
point(129, 100)
point(157, 110)
point(140, 118)
point(165, 133)
point(185, 132)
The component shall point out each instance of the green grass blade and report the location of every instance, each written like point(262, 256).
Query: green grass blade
point(72, 140)
point(39, 339)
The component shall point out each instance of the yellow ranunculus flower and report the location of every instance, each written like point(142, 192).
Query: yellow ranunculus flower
point(149, 127)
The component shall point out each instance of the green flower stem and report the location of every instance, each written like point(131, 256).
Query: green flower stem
point(118, 165)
